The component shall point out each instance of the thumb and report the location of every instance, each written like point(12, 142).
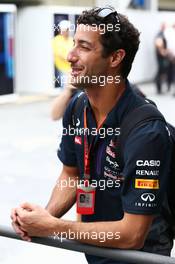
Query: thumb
point(28, 206)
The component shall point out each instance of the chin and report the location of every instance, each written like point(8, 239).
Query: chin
point(80, 82)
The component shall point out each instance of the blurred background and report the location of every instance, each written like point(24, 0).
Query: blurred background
point(29, 71)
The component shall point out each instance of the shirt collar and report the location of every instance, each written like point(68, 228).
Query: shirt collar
point(119, 110)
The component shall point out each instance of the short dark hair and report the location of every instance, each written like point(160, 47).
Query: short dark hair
point(126, 38)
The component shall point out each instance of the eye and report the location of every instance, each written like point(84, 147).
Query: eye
point(85, 47)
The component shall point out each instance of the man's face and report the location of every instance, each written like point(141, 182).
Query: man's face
point(86, 58)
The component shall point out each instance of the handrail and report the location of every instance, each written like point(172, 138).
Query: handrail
point(131, 256)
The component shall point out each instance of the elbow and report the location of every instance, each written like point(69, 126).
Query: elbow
point(136, 242)
point(55, 116)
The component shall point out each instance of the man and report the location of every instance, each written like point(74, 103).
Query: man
point(131, 201)
point(163, 60)
point(170, 35)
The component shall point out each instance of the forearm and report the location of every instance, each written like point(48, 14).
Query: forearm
point(89, 233)
point(60, 103)
point(63, 195)
point(115, 234)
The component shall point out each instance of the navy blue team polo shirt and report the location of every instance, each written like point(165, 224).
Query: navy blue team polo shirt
point(137, 188)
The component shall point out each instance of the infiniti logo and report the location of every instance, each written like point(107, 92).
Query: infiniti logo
point(148, 197)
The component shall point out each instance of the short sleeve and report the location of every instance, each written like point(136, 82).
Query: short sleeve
point(147, 158)
point(66, 151)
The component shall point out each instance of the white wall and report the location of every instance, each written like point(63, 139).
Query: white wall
point(34, 67)
point(34, 63)
point(145, 66)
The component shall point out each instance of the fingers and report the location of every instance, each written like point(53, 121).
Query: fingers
point(13, 214)
point(17, 229)
point(21, 213)
point(14, 211)
point(21, 224)
point(20, 232)
point(17, 224)
point(26, 238)
point(28, 206)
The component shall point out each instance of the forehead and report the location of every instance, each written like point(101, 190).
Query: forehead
point(87, 33)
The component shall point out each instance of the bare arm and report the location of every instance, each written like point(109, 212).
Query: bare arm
point(159, 45)
point(60, 103)
point(128, 233)
point(64, 193)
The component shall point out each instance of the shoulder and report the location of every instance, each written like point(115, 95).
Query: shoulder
point(154, 127)
point(151, 135)
point(150, 142)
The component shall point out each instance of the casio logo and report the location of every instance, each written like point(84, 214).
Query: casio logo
point(152, 163)
point(148, 197)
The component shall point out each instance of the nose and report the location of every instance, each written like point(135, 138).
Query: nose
point(72, 55)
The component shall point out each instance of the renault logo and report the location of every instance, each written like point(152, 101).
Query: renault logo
point(148, 197)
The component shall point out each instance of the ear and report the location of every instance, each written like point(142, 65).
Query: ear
point(117, 57)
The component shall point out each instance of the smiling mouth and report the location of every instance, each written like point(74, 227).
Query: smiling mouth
point(76, 71)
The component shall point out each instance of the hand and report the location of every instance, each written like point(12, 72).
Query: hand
point(69, 85)
point(19, 231)
point(34, 220)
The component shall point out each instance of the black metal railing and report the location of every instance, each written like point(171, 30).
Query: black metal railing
point(131, 256)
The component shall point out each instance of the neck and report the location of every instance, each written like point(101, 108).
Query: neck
point(103, 99)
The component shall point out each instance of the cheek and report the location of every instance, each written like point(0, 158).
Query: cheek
point(94, 62)
point(101, 66)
